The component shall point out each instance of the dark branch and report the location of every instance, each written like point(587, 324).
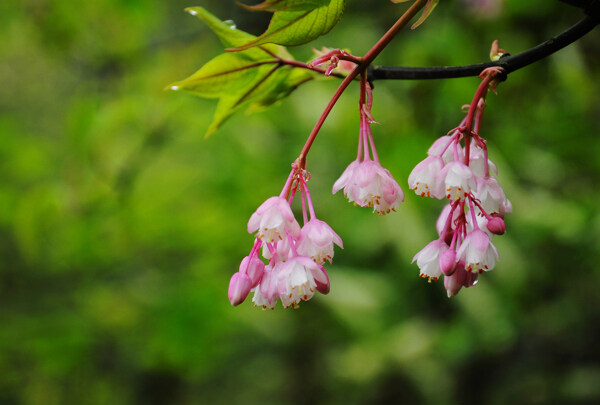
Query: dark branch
point(509, 62)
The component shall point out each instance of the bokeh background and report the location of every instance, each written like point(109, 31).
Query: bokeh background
point(120, 226)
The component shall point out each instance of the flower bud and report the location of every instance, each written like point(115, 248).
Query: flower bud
point(455, 282)
point(496, 226)
point(254, 268)
point(447, 262)
point(239, 288)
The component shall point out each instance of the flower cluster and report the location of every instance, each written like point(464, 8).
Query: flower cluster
point(295, 254)
point(365, 182)
point(476, 202)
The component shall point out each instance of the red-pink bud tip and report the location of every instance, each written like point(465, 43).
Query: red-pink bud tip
point(496, 226)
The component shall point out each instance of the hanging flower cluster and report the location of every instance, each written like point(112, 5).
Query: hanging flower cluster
point(457, 169)
point(476, 202)
point(295, 254)
point(365, 181)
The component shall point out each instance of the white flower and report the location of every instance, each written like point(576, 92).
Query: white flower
point(477, 252)
point(316, 241)
point(423, 178)
point(427, 259)
point(273, 219)
point(455, 181)
point(298, 280)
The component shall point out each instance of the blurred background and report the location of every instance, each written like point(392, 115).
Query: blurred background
point(120, 226)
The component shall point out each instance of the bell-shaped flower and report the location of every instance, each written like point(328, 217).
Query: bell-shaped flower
point(428, 259)
point(368, 184)
point(298, 280)
point(423, 178)
point(477, 162)
point(455, 181)
point(316, 241)
point(442, 148)
point(273, 219)
point(477, 252)
point(491, 195)
point(266, 294)
point(346, 179)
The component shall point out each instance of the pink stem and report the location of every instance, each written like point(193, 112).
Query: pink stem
point(473, 216)
point(302, 197)
point(311, 209)
point(288, 184)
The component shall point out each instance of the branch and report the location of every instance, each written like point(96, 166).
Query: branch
point(508, 62)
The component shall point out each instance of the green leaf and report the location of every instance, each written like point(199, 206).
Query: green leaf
point(296, 26)
point(230, 36)
point(271, 86)
point(226, 73)
point(251, 78)
point(288, 5)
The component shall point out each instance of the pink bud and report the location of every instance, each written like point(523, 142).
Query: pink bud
point(254, 268)
point(239, 288)
point(447, 262)
point(455, 282)
point(496, 226)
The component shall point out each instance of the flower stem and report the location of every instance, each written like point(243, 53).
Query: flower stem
point(360, 68)
point(479, 94)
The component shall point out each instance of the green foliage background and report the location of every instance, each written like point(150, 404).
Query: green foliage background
point(120, 225)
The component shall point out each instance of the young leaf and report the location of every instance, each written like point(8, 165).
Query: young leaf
point(298, 26)
point(224, 74)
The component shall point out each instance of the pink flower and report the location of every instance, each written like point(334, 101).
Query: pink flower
point(423, 178)
point(266, 294)
point(368, 184)
point(490, 194)
point(298, 280)
point(455, 181)
point(428, 259)
point(477, 252)
point(442, 148)
point(273, 219)
point(316, 241)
